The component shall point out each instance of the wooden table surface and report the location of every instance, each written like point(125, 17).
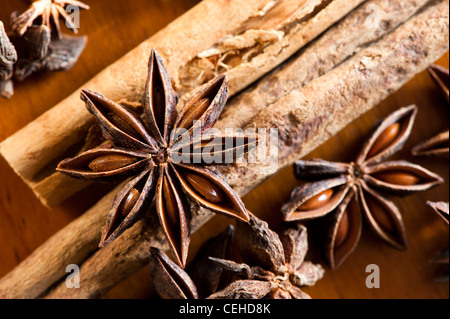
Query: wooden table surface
point(116, 26)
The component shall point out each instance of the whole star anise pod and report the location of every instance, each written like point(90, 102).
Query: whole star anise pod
point(48, 11)
point(437, 145)
point(346, 192)
point(165, 152)
point(274, 266)
point(441, 209)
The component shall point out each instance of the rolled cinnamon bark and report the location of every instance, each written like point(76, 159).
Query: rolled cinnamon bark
point(245, 38)
point(362, 26)
point(47, 264)
point(305, 118)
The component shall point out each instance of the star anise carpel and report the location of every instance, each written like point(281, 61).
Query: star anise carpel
point(46, 12)
point(166, 154)
point(274, 266)
point(442, 257)
point(8, 57)
point(346, 192)
point(202, 278)
point(437, 145)
point(440, 75)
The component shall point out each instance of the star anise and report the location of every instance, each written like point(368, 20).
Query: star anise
point(437, 145)
point(160, 150)
point(202, 278)
point(48, 12)
point(441, 209)
point(274, 266)
point(338, 188)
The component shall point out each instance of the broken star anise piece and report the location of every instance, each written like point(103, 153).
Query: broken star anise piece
point(347, 192)
point(41, 54)
point(48, 12)
point(274, 265)
point(155, 152)
point(441, 209)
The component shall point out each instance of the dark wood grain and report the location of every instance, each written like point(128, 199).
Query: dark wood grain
point(116, 26)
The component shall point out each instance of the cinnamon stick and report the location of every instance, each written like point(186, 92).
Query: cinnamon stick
point(245, 38)
point(47, 264)
point(305, 118)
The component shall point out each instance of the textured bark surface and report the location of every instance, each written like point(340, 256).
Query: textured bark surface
point(359, 29)
point(267, 32)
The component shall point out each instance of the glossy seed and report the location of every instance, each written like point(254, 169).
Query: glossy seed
point(398, 177)
point(380, 214)
point(111, 162)
point(385, 139)
point(317, 201)
point(342, 231)
point(129, 202)
point(124, 126)
point(194, 112)
point(170, 204)
point(204, 187)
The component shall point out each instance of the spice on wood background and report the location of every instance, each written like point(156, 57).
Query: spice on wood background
point(115, 27)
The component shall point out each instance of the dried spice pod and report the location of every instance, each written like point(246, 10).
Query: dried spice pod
point(38, 40)
point(260, 246)
point(245, 289)
point(48, 12)
point(442, 257)
point(441, 76)
point(208, 276)
point(316, 199)
point(384, 140)
point(147, 148)
point(215, 148)
point(318, 169)
point(346, 230)
point(169, 279)
point(103, 164)
point(202, 279)
point(8, 57)
point(120, 218)
point(383, 217)
point(40, 53)
point(38, 50)
point(275, 266)
point(436, 146)
point(400, 177)
point(441, 209)
point(347, 192)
